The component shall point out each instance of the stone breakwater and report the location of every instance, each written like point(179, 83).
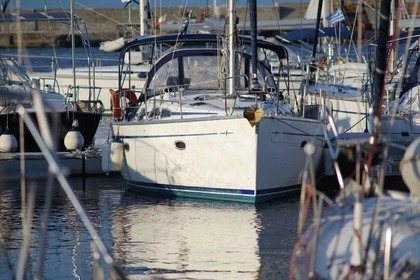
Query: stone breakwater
point(109, 24)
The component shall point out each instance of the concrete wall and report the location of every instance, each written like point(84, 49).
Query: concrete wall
point(102, 23)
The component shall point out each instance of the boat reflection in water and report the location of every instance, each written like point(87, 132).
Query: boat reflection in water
point(153, 237)
point(186, 239)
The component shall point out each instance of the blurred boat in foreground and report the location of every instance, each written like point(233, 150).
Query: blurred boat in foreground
point(367, 232)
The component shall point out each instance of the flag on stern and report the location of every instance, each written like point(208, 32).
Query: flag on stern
point(336, 16)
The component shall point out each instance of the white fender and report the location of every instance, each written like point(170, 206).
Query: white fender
point(106, 157)
point(8, 143)
point(117, 153)
point(74, 140)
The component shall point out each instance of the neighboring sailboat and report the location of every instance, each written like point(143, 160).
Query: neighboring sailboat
point(332, 80)
point(349, 98)
point(31, 109)
point(368, 232)
point(65, 116)
point(206, 127)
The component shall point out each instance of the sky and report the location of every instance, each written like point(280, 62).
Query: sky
point(65, 4)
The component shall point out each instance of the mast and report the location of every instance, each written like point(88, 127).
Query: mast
point(359, 30)
point(232, 51)
point(144, 25)
point(326, 9)
point(216, 11)
point(318, 23)
point(143, 18)
point(381, 62)
point(73, 47)
point(255, 85)
point(18, 27)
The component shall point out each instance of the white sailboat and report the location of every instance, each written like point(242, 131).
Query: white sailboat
point(206, 128)
point(346, 91)
point(67, 116)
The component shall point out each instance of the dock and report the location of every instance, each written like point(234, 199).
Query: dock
point(35, 166)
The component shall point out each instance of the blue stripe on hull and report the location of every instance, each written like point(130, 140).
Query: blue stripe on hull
point(241, 195)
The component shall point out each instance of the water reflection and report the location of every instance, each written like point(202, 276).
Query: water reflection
point(157, 238)
point(185, 239)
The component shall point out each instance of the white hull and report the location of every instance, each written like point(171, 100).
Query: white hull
point(224, 157)
point(106, 78)
point(348, 108)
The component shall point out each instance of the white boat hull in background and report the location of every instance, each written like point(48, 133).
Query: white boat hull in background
point(112, 46)
point(106, 78)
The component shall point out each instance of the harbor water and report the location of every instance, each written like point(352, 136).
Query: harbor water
point(148, 237)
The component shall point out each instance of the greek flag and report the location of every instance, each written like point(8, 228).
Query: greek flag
point(336, 16)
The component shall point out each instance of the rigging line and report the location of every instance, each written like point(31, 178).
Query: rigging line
point(301, 22)
point(44, 225)
point(96, 12)
point(73, 61)
point(22, 164)
point(156, 19)
point(19, 33)
point(25, 205)
point(367, 5)
point(352, 37)
point(359, 121)
point(185, 19)
point(27, 222)
point(183, 8)
point(61, 4)
point(51, 37)
point(277, 15)
point(7, 33)
point(241, 42)
point(177, 38)
point(305, 203)
point(245, 18)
